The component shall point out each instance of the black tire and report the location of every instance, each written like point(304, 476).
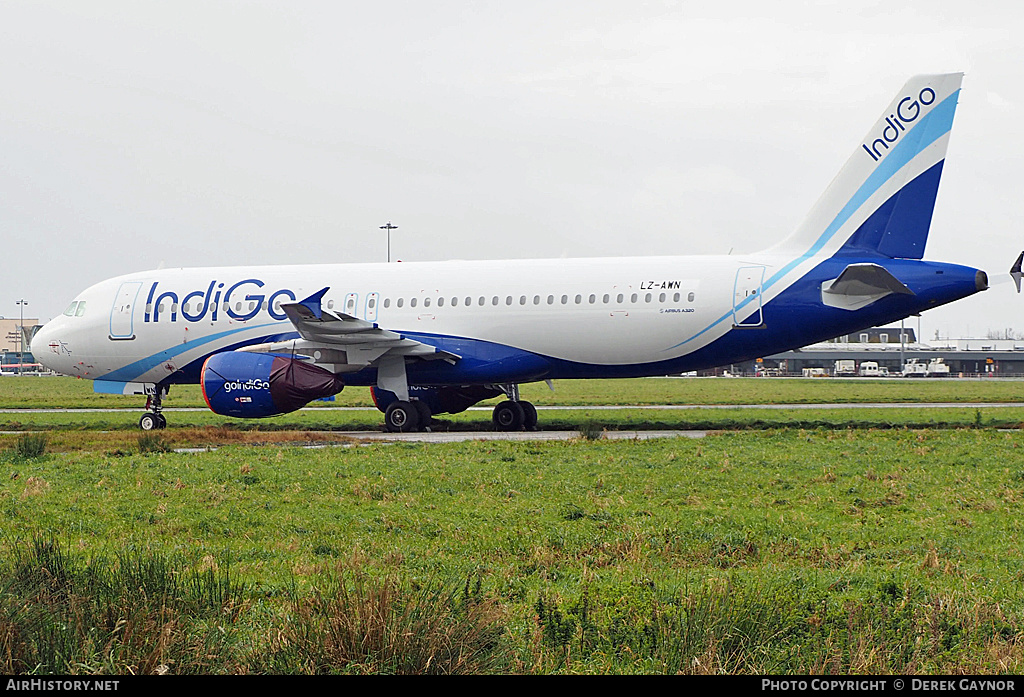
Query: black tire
point(508, 416)
point(401, 417)
point(149, 421)
point(529, 416)
point(423, 412)
point(161, 421)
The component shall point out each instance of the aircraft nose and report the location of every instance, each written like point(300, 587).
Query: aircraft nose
point(41, 347)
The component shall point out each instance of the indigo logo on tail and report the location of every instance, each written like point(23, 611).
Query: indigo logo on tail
point(907, 111)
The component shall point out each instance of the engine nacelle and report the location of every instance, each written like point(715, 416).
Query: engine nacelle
point(255, 385)
point(441, 400)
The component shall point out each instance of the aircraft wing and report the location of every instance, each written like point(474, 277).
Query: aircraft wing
point(341, 342)
point(860, 285)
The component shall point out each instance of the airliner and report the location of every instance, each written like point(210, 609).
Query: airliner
point(431, 338)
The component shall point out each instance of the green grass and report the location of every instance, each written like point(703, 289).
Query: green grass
point(65, 392)
point(318, 421)
point(797, 546)
point(791, 541)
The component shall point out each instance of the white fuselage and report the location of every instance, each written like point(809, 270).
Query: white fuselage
point(610, 312)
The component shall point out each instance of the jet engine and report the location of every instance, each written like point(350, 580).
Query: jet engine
point(254, 385)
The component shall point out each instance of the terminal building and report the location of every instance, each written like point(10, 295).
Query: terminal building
point(14, 343)
point(895, 349)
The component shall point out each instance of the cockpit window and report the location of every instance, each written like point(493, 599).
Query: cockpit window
point(75, 309)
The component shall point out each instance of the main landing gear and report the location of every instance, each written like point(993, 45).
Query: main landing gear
point(407, 416)
point(153, 420)
point(514, 414)
point(411, 416)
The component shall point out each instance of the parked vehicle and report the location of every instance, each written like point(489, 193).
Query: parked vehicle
point(915, 368)
point(937, 368)
point(870, 369)
point(845, 368)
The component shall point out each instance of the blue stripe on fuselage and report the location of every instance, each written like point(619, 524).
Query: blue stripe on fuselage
point(132, 371)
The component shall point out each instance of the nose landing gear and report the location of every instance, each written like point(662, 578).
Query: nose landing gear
point(153, 420)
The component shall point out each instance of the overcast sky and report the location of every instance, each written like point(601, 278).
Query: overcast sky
point(139, 134)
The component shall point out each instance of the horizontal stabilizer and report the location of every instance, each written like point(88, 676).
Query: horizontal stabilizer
point(860, 285)
point(1015, 270)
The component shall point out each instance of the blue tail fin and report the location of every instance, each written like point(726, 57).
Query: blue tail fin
point(882, 200)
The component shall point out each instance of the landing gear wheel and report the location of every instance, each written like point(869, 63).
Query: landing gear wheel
point(401, 417)
point(423, 413)
point(529, 416)
point(151, 421)
point(508, 416)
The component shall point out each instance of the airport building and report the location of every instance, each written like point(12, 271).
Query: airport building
point(14, 340)
point(884, 351)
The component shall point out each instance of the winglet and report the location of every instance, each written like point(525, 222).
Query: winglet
point(312, 303)
point(1015, 271)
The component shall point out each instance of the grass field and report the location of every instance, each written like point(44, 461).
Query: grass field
point(779, 547)
point(65, 392)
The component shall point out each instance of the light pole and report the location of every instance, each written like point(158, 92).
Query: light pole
point(21, 336)
point(389, 227)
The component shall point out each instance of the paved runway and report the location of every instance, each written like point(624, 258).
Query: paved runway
point(834, 405)
point(457, 436)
